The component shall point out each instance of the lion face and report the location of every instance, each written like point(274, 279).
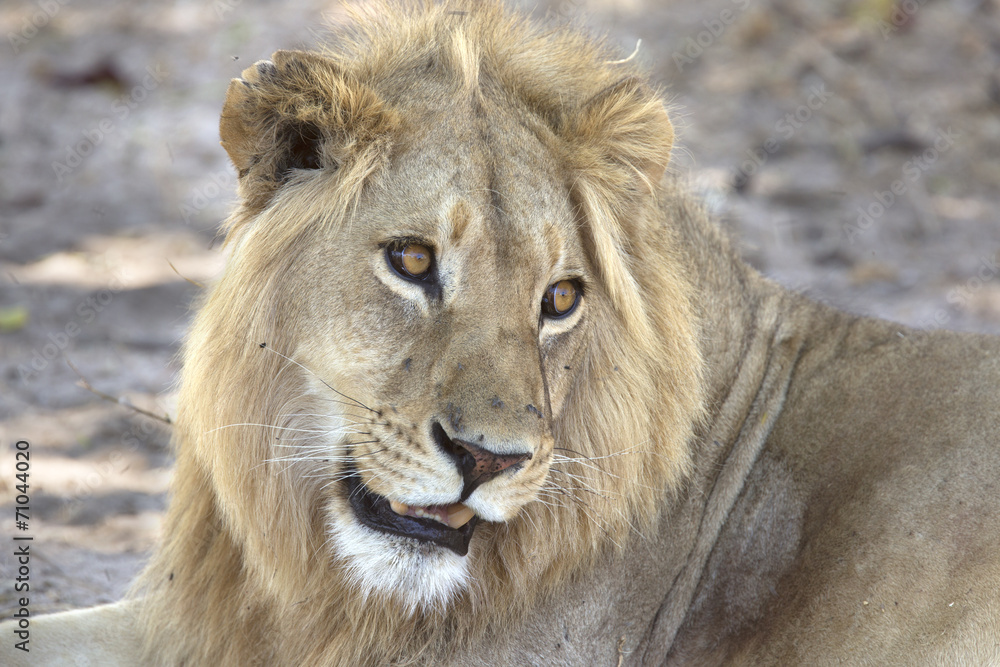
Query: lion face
point(446, 316)
point(447, 267)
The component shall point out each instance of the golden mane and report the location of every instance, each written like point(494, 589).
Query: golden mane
point(245, 553)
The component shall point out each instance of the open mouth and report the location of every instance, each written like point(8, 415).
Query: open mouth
point(448, 526)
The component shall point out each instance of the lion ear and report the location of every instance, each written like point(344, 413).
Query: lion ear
point(298, 111)
point(622, 138)
point(619, 144)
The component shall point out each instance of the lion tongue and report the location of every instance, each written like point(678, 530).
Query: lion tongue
point(453, 516)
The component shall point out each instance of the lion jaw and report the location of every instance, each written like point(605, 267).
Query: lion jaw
point(420, 576)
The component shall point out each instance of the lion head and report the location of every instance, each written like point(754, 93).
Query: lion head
point(451, 358)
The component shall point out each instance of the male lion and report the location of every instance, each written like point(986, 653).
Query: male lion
point(482, 386)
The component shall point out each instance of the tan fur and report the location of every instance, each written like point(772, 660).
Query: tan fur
point(300, 258)
point(722, 472)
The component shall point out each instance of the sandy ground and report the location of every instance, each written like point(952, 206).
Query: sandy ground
point(798, 121)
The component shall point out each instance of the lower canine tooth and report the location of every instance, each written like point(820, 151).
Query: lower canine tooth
point(459, 515)
point(398, 507)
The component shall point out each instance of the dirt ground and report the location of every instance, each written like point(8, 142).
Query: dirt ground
point(852, 147)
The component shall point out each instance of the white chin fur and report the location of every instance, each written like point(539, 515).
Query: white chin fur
point(420, 576)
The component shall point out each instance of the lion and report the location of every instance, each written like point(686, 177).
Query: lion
point(482, 384)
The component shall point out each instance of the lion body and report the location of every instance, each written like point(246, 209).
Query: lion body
point(717, 470)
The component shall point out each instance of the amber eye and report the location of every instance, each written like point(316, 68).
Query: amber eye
point(560, 299)
point(413, 261)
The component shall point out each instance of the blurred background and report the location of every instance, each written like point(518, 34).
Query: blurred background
point(851, 146)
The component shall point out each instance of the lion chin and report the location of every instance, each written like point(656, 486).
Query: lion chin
point(415, 554)
point(420, 576)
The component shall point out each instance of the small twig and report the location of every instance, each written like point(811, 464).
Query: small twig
point(121, 400)
point(193, 282)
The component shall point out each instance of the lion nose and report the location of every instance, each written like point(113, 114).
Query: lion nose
point(477, 465)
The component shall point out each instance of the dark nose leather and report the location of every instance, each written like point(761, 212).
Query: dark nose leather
point(477, 464)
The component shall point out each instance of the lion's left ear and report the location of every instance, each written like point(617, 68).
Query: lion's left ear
point(298, 111)
point(621, 138)
point(618, 146)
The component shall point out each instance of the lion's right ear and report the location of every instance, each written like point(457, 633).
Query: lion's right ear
point(298, 111)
